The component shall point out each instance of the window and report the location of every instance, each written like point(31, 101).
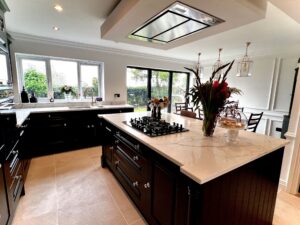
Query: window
point(3, 68)
point(63, 73)
point(137, 91)
point(46, 76)
point(89, 80)
point(179, 84)
point(34, 77)
point(145, 83)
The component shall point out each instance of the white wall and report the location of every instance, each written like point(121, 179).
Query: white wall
point(114, 64)
point(268, 90)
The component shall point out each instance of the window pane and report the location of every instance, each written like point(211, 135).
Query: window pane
point(64, 73)
point(178, 89)
point(3, 69)
point(35, 79)
point(137, 89)
point(89, 80)
point(160, 84)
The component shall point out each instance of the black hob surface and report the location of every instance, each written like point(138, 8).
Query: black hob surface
point(154, 127)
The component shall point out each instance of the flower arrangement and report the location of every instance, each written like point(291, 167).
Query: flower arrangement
point(67, 90)
point(212, 95)
point(156, 105)
point(156, 102)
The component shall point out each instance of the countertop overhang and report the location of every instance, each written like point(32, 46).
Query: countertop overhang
point(201, 158)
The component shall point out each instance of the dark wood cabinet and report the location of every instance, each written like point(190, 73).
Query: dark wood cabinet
point(4, 210)
point(165, 196)
point(69, 130)
point(149, 179)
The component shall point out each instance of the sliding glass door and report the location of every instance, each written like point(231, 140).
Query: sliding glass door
point(137, 88)
point(146, 83)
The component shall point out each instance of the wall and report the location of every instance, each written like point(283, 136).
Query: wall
point(114, 63)
point(268, 90)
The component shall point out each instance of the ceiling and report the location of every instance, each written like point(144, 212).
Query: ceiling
point(269, 28)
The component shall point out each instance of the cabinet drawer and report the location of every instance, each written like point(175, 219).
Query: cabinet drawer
point(133, 160)
point(131, 181)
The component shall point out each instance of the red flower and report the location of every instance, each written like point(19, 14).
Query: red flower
point(215, 84)
point(224, 87)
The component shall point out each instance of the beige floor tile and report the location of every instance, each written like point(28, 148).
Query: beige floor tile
point(72, 189)
point(44, 219)
point(36, 204)
point(102, 213)
point(139, 222)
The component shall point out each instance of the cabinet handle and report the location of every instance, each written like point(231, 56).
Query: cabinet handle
point(15, 152)
point(147, 185)
point(49, 116)
point(65, 124)
point(135, 158)
point(135, 184)
point(88, 126)
point(117, 141)
point(92, 126)
point(17, 177)
point(118, 133)
point(108, 129)
point(111, 148)
point(117, 162)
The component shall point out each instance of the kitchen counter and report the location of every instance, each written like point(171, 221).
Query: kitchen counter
point(201, 158)
point(23, 113)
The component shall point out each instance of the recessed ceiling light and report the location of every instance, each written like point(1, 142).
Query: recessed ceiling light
point(55, 28)
point(176, 21)
point(58, 8)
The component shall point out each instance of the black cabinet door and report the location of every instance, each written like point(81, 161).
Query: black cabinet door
point(163, 192)
point(4, 213)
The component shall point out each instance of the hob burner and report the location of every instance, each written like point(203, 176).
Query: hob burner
point(154, 127)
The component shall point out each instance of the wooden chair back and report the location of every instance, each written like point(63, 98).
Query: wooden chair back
point(188, 114)
point(200, 114)
point(182, 106)
point(253, 121)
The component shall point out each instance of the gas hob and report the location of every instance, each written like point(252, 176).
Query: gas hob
point(154, 127)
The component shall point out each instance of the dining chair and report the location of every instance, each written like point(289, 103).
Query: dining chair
point(200, 114)
point(253, 121)
point(182, 106)
point(188, 114)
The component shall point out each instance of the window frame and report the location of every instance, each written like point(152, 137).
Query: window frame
point(170, 82)
point(47, 59)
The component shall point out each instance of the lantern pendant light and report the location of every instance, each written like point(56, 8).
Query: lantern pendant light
point(216, 66)
point(244, 67)
point(199, 66)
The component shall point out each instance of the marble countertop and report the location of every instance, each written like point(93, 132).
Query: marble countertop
point(201, 158)
point(23, 113)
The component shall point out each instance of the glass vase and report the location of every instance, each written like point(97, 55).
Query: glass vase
point(209, 124)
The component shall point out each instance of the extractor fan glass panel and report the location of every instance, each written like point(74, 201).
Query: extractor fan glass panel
point(180, 31)
point(165, 22)
point(176, 21)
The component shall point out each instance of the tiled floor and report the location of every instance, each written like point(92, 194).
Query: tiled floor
point(72, 189)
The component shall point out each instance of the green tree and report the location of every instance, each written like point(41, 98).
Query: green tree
point(36, 82)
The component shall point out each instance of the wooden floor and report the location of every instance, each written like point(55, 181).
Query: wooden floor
point(72, 189)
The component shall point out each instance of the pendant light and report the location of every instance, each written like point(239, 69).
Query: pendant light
point(218, 64)
point(244, 67)
point(199, 66)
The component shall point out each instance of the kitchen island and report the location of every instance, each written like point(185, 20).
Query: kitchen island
point(186, 178)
